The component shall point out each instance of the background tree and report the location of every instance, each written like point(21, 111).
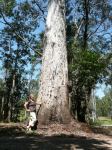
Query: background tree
point(104, 105)
point(89, 53)
point(19, 46)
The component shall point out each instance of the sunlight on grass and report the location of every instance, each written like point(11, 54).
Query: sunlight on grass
point(103, 121)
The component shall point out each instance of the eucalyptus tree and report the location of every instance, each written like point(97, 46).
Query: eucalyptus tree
point(53, 94)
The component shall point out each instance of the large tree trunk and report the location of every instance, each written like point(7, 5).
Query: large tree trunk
point(53, 93)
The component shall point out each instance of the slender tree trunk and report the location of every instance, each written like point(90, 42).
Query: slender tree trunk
point(1, 108)
point(9, 102)
point(6, 98)
point(93, 105)
point(53, 93)
point(86, 20)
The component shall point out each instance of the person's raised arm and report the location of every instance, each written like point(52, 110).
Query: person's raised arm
point(26, 106)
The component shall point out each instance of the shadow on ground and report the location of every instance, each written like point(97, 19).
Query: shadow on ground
point(61, 142)
point(102, 130)
point(13, 138)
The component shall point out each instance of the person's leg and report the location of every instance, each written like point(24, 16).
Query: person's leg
point(32, 119)
point(30, 122)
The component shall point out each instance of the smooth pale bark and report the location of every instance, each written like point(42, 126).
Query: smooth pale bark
point(53, 93)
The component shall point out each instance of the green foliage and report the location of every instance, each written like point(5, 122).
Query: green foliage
point(21, 116)
point(7, 6)
point(19, 47)
point(104, 105)
point(88, 51)
point(86, 66)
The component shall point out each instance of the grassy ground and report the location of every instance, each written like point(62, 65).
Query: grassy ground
point(102, 125)
point(103, 121)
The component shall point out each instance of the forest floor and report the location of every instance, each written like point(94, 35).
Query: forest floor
point(74, 136)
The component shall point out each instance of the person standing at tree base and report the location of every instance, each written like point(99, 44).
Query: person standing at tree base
point(30, 106)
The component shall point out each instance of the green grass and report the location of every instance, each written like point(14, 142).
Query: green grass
point(102, 121)
point(105, 121)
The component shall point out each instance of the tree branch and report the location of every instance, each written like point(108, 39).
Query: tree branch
point(78, 29)
point(37, 4)
point(7, 23)
point(95, 30)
